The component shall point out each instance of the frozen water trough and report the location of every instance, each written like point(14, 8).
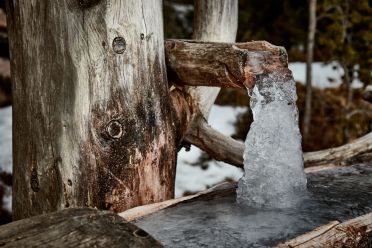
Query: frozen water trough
point(275, 203)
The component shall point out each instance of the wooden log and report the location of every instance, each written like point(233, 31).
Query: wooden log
point(92, 121)
point(342, 155)
point(235, 65)
point(75, 228)
point(226, 149)
point(354, 233)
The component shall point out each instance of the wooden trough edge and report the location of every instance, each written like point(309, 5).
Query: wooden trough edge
point(356, 232)
point(220, 189)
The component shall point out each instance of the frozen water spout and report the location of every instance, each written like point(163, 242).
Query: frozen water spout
point(273, 161)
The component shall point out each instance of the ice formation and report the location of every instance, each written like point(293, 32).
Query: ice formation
point(273, 161)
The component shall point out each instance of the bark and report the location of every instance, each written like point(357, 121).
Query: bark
point(91, 113)
point(75, 228)
point(214, 20)
point(235, 65)
point(309, 61)
point(353, 233)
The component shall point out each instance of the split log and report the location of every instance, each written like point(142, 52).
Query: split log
point(354, 233)
point(75, 228)
point(234, 65)
point(92, 121)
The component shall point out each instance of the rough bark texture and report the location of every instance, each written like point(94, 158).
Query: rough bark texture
point(214, 20)
point(233, 65)
point(92, 119)
point(355, 233)
point(309, 62)
point(75, 228)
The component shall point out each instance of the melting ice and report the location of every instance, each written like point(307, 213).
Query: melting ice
point(273, 161)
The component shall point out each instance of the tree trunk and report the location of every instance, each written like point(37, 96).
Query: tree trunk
point(309, 62)
point(214, 20)
point(92, 119)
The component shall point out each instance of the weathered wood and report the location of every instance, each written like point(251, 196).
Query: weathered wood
point(310, 235)
point(214, 20)
point(353, 233)
point(218, 146)
point(235, 65)
point(92, 120)
point(75, 228)
point(342, 155)
point(142, 211)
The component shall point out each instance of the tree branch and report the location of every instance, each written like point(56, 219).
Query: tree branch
point(226, 149)
point(217, 145)
point(234, 65)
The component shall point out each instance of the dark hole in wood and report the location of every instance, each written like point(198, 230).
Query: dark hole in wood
point(140, 233)
point(69, 182)
point(34, 181)
point(87, 3)
point(114, 129)
point(119, 45)
point(142, 36)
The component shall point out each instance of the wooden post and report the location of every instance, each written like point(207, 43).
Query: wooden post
point(214, 20)
point(92, 120)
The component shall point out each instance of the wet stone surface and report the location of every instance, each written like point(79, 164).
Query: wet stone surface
point(338, 194)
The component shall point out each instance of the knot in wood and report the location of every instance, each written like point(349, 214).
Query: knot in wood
point(114, 129)
point(119, 45)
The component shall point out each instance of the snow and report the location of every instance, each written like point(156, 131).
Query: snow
point(324, 75)
point(273, 161)
point(191, 178)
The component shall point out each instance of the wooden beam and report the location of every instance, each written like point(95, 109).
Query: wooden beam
point(235, 65)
